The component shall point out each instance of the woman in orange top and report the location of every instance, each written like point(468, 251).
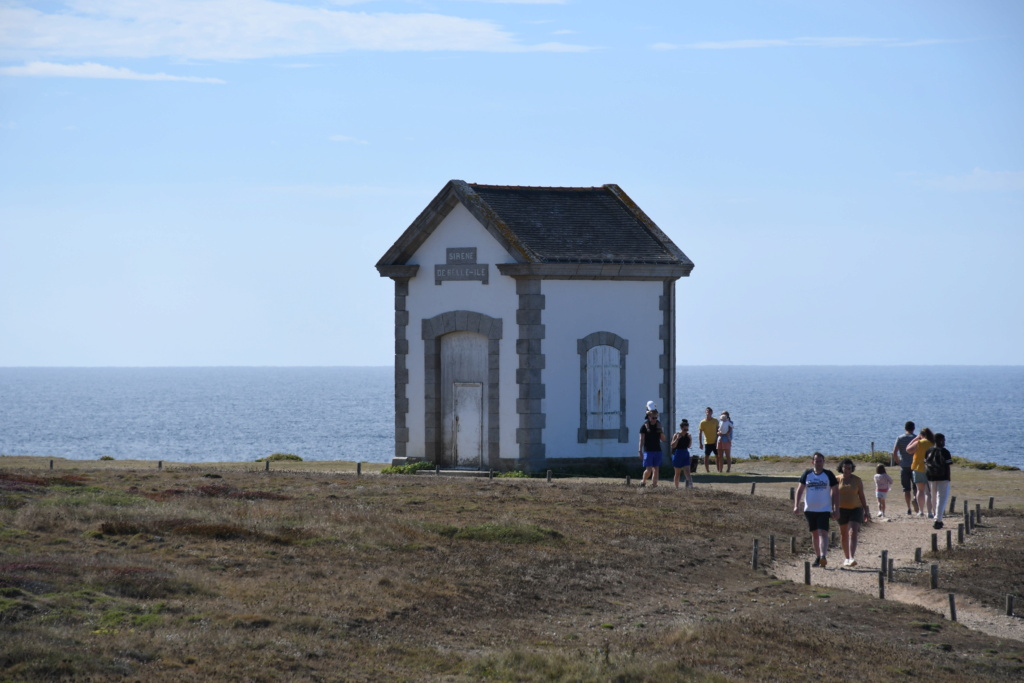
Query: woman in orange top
point(853, 510)
point(919, 448)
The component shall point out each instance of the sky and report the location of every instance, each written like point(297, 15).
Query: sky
point(210, 182)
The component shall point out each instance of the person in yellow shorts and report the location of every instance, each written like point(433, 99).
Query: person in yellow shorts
point(919, 448)
point(708, 436)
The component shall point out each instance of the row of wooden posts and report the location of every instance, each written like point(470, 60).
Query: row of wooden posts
point(887, 570)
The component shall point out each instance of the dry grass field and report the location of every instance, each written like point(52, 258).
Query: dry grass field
point(112, 571)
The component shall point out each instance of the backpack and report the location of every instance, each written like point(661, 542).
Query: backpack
point(935, 464)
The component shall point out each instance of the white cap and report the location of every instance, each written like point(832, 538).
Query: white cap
point(651, 405)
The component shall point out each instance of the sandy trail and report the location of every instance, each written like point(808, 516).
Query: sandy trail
point(901, 535)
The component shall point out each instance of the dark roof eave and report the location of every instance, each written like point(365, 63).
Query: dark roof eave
point(399, 272)
point(596, 271)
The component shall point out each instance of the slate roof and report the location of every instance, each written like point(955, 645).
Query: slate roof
point(552, 225)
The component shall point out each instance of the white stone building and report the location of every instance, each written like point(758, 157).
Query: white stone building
point(532, 325)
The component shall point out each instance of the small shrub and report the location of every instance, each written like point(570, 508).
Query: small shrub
point(513, 474)
point(275, 457)
point(411, 468)
point(106, 457)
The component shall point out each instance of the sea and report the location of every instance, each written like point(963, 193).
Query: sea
point(237, 414)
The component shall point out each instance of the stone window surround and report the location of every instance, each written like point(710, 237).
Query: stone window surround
point(582, 347)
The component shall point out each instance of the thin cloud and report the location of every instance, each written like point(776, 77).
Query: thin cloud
point(664, 46)
point(346, 138)
point(833, 42)
point(980, 180)
point(93, 70)
point(237, 29)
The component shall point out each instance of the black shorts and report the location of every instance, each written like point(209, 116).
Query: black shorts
point(818, 521)
point(907, 479)
point(710, 448)
point(847, 515)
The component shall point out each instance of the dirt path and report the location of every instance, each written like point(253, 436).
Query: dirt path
point(900, 536)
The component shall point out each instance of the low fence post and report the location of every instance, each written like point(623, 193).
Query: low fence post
point(935, 543)
point(960, 533)
point(549, 476)
point(771, 547)
point(266, 466)
point(51, 464)
point(792, 493)
point(159, 464)
point(753, 561)
point(935, 576)
point(952, 505)
point(977, 513)
point(807, 572)
point(952, 607)
point(885, 559)
point(972, 522)
point(1009, 605)
point(359, 469)
point(892, 570)
point(753, 485)
point(991, 502)
point(792, 544)
point(917, 554)
point(949, 539)
point(881, 585)
point(627, 480)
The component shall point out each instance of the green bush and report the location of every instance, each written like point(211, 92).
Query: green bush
point(106, 457)
point(412, 468)
point(274, 457)
point(513, 474)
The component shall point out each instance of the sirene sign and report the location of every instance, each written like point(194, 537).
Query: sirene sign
point(461, 265)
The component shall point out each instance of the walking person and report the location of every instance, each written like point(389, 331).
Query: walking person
point(883, 482)
point(853, 510)
point(651, 436)
point(708, 438)
point(937, 467)
point(681, 442)
point(903, 459)
point(919, 449)
point(725, 441)
point(820, 504)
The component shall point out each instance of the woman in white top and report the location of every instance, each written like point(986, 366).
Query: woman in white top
point(725, 441)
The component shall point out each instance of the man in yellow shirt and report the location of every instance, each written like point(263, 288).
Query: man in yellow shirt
point(708, 436)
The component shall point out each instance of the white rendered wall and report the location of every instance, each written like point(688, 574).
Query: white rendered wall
point(497, 299)
point(574, 309)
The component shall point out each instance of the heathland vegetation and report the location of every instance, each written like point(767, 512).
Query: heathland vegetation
point(309, 572)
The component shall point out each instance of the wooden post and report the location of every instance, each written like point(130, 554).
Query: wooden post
point(792, 544)
point(885, 559)
point(359, 469)
point(881, 585)
point(872, 450)
point(437, 469)
point(991, 502)
point(952, 607)
point(935, 543)
point(952, 505)
point(1009, 605)
point(549, 476)
point(966, 508)
point(972, 521)
point(892, 570)
point(490, 474)
point(807, 572)
point(627, 480)
point(753, 561)
point(753, 485)
point(960, 533)
point(771, 547)
point(51, 464)
point(917, 554)
point(949, 539)
point(977, 513)
point(792, 493)
point(967, 522)
point(935, 576)
point(159, 464)
point(266, 466)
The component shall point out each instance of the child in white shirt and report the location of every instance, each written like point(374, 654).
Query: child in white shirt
point(882, 484)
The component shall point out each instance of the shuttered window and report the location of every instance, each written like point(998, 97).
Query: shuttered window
point(603, 387)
